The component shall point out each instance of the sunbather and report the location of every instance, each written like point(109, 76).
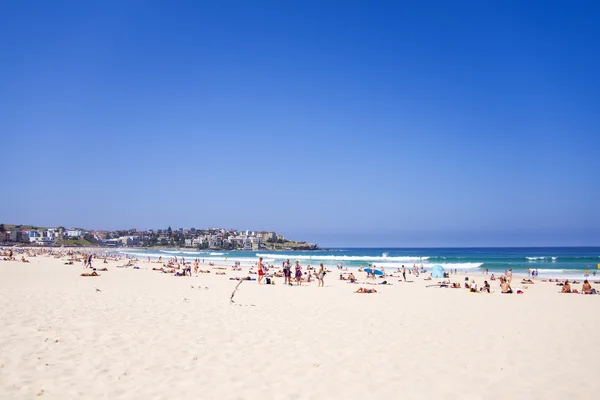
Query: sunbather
point(505, 286)
point(587, 288)
point(566, 287)
point(365, 290)
point(90, 274)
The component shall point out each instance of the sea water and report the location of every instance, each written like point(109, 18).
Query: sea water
point(550, 262)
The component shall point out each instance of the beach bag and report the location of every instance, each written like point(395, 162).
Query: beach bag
point(268, 281)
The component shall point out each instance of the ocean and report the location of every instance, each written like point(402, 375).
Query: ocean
point(550, 262)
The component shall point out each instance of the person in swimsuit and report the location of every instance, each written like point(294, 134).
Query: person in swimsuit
point(365, 290)
point(321, 275)
point(298, 274)
point(505, 286)
point(587, 288)
point(352, 278)
point(287, 273)
point(261, 271)
point(566, 287)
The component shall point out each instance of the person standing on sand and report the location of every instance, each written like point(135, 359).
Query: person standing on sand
point(261, 271)
point(298, 274)
point(509, 276)
point(404, 273)
point(321, 275)
point(287, 273)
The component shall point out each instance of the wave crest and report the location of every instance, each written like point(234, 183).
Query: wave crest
point(342, 258)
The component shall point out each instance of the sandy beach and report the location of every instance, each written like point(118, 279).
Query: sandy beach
point(137, 333)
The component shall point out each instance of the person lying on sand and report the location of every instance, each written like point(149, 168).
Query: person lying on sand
point(365, 290)
point(220, 273)
point(129, 264)
point(101, 269)
point(204, 271)
point(527, 282)
point(90, 274)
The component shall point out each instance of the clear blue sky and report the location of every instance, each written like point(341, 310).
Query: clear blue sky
point(345, 123)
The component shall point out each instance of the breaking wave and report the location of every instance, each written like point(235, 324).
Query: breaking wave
point(342, 258)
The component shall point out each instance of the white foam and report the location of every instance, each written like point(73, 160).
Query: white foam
point(458, 266)
point(428, 266)
point(132, 253)
point(551, 270)
point(541, 258)
point(366, 259)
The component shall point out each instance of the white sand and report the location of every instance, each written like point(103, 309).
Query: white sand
point(148, 335)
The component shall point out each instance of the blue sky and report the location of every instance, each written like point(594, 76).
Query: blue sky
point(346, 123)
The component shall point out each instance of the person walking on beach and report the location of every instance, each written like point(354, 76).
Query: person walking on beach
point(261, 271)
point(298, 274)
point(509, 275)
point(321, 275)
point(404, 273)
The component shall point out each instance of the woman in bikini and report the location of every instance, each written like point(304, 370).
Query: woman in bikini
point(287, 273)
point(365, 290)
point(298, 274)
